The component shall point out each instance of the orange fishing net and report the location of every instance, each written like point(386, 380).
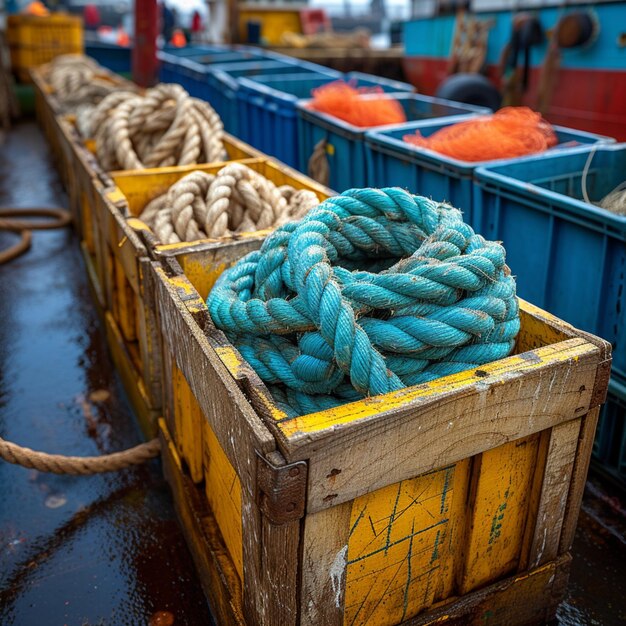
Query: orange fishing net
point(510, 132)
point(347, 103)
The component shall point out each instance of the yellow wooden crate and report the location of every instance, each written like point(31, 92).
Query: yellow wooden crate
point(55, 30)
point(452, 501)
point(128, 244)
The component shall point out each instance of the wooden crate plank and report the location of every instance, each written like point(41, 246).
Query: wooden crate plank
point(131, 380)
point(126, 303)
point(403, 545)
point(280, 546)
point(223, 492)
point(554, 492)
point(325, 548)
point(188, 424)
point(528, 599)
point(149, 339)
point(221, 401)
point(579, 477)
point(502, 480)
point(216, 571)
point(410, 425)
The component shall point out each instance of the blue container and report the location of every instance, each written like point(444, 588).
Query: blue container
point(110, 55)
point(223, 83)
point(267, 110)
point(345, 143)
point(190, 68)
point(392, 162)
point(609, 447)
point(569, 256)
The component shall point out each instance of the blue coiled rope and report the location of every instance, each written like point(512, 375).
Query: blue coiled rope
point(372, 291)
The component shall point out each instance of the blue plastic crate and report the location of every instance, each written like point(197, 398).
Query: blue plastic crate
point(222, 83)
point(569, 256)
point(392, 162)
point(609, 446)
point(190, 69)
point(267, 110)
point(345, 143)
point(110, 55)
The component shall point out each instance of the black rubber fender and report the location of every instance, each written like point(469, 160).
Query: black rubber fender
point(473, 89)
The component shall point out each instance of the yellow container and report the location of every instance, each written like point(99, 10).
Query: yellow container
point(452, 501)
point(57, 30)
point(275, 21)
point(35, 40)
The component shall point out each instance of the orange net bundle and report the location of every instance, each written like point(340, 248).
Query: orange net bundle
point(510, 132)
point(347, 103)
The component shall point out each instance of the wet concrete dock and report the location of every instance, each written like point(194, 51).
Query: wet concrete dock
point(107, 550)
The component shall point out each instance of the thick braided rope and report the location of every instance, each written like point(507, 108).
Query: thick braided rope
point(76, 80)
point(160, 128)
point(79, 465)
point(236, 199)
point(372, 291)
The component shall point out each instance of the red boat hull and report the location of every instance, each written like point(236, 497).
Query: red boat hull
point(591, 100)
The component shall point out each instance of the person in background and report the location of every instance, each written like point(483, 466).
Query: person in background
point(196, 27)
point(91, 17)
point(168, 22)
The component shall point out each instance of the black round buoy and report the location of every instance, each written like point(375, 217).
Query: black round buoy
point(470, 89)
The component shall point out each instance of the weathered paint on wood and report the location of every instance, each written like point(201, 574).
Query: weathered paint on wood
point(188, 424)
point(223, 492)
point(527, 599)
point(218, 575)
point(130, 377)
point(556, 486)
point(402, 547)
point(499, 496)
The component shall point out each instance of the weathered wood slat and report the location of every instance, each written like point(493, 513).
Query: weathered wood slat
point(554, 492)
point(217, 573)
point(324, 562)
point(579, 477)
point(525, 600)
point(499, 499)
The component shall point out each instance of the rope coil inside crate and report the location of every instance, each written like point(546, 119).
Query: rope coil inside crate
point(78, 81)
point(236, 199)
point(161, 128)
point(372, 291)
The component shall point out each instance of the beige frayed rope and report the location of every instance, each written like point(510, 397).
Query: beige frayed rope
point(161, 128)
point(236, 199)
point(77, 80)
point(78, 465)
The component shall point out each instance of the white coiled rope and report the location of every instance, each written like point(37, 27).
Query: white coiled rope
point(163, 127)
point(236, 199)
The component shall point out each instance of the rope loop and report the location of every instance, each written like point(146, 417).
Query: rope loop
point(234, 200)
point(160, 128)
point(372, 291)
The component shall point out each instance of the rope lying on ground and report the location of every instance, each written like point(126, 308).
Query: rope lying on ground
point(236, 199)
point(77, 465)
point(18, 221)
point(372, 291)
point(510, 132)
point(78, 80)
point(163, 127)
